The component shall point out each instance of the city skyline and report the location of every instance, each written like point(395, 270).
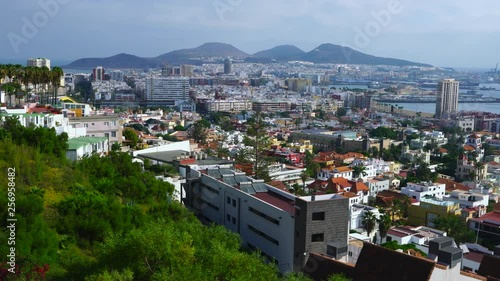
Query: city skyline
point(454, 33)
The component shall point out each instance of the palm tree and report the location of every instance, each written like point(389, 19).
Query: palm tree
point(479, 169)
point(394, 210)
point(56, 75)
point(369, 220)
point(384, 224)
point(45, 79)
point(304, 176)
point(358, 170)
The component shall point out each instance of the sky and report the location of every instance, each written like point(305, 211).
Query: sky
point(453, 33)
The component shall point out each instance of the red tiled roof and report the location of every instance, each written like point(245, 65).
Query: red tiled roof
point(278, 184)
point(452, 185)
point(349, 194)
point(469, 148)
point(491, 217)
point(474, 256)
point(359, 186)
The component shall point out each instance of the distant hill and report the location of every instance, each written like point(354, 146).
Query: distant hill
point(207, 50)
point(330, 53)
point(215, 52)
point(119, 61)
point(279, 53)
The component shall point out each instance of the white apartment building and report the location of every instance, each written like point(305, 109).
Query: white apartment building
point(38, 62)
point(167, 90)
point(419, 190)
point(286, 174)
point(447, 99)
point(228, 105)
point(467, 199)
point(377, 185)
point(337, 172)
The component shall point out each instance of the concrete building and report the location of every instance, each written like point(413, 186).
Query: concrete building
point(98, 74)
point(447, 99)
point(430, 209)
point(38, 62)
point(228, 105)
point(467, 199)
point(228, 66)
point(109, 127)
point(285, 228)
point(116, 75)
point(466, 124)
point(271, 106)
point(187, 70)
point(424, 189)
point(298, 85)
point(167, 91)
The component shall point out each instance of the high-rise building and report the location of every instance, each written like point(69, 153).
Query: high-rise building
point(39, 62)
point(98, 73)
point(228, 66)
point(187, 70)
point(167, 90)
point(116, 75)
point(447, 99)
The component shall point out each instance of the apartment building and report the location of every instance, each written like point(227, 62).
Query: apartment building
point(271, 106)
point(100, 126)
point(285, 228)
point(227, 105)
point(430, 209)
point(424, 189)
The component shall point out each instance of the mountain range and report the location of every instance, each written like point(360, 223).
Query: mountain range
point(217, 52)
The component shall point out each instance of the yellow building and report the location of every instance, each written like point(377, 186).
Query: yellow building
point(429, 209)
point(303, 145)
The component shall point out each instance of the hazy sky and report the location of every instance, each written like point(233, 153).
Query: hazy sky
point(455, 33)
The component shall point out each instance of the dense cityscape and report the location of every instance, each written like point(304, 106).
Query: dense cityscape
point(211, 163)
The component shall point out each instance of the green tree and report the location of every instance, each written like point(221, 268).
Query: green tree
point(198, 131)
point(369, 221)
point(131, 136)
point(358, 170)
point(455, 227)
point(341, 112)
point(257, 138)
point(384, 224)
point(384, 132)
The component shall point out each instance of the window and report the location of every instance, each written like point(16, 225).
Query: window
point(113, 134)
point(228, 200)
point(234, 203)
point(260, 214)
point(318, 216)
point(319, 237)
point(93, 124)
point(106, 123)
point(86, 125)
point(263, 235)
point(228, 217)
point(106, 135)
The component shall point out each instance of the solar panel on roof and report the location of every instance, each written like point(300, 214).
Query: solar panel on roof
point(229, 180)
point(226, 172)
point(247, 188)
point(241, 178)
point(260, 187)
point(214, 173)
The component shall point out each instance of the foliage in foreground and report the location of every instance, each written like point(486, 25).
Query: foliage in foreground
point(106, 219)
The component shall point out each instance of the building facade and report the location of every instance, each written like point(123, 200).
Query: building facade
point(285, 228)
point(109, 127)
point(168, 91)
point(38, 62)
point(447, 99)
